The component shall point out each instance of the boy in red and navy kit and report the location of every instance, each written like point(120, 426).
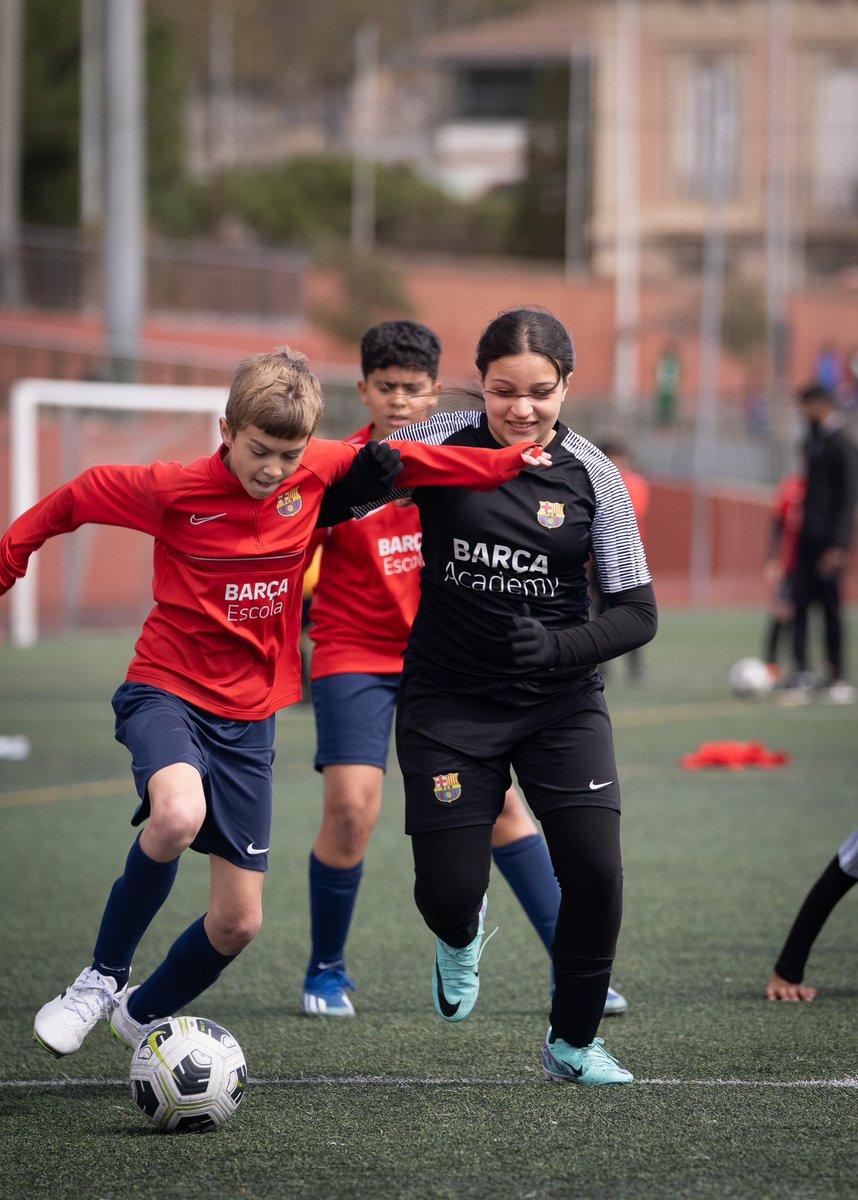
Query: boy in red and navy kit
point(364, 604)
point(218, 655)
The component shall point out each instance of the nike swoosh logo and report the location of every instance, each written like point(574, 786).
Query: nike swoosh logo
point(448, 1009)
point(251, 849)
point(595, 787)
point(195, 520)
point(325, 966)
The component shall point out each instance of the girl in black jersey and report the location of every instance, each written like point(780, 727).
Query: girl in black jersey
point(501, 672)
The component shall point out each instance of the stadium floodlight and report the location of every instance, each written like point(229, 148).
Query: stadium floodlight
point(26, 397)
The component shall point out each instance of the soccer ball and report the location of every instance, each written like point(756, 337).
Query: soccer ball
point(750, 677)
point(188, 1075)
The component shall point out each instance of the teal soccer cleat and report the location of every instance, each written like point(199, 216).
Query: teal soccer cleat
point(588, 1065)
point(456, 977)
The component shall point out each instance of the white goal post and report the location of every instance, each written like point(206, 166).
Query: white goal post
point(26, 397)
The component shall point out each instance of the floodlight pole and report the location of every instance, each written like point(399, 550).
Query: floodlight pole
point(125, 205)
point(777, 227)
point(11, 58)
point(627, 266)
point(364, 137)
point(706, 421)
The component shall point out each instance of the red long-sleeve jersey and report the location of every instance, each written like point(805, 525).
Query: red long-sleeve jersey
point(368, 590)
point(223, 633)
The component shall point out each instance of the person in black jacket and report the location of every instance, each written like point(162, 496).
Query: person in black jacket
point(831, 460)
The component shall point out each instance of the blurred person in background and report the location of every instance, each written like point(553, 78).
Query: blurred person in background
point(825, 536)
point(828, 369)
point(639, 493)
point(667, 372)
point(779, 569)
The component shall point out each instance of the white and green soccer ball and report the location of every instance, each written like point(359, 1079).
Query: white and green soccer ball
point(188, 1075)
point(750, 677)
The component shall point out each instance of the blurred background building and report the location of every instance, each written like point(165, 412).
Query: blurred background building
point(676, 179)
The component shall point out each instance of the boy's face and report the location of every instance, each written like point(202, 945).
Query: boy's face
point(397, 396)
point(260, 462)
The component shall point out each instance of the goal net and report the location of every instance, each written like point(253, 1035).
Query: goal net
point(100, 577)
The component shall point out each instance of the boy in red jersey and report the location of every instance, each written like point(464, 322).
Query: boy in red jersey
point(363, 606)
point(218, 655)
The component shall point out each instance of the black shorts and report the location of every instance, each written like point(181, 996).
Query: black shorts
point(455, 753)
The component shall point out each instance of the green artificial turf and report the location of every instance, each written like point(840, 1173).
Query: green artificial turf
point(735, 1097)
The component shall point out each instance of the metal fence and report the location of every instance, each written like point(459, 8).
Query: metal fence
point(60, 269)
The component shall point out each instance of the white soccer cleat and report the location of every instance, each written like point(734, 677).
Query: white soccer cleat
point(62, 1024)
point(125, 1028)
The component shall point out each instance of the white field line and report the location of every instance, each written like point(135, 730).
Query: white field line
point(848, 1081)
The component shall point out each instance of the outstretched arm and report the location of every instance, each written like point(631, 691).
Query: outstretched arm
point(424, 465)
point(105, 495)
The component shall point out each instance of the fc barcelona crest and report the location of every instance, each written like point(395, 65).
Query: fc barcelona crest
point(289, 504)
point(551, 514)
point(447, 788)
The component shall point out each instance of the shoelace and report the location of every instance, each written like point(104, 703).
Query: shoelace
point(597, 1046)
point(87, 999)
point(334, 981)
point(468, 967)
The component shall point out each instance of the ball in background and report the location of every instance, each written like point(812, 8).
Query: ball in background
point(750, 677)
point(188, 1075)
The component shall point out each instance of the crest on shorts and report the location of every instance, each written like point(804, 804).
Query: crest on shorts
point(289, 504)
point(551, 514)
point(447, 788)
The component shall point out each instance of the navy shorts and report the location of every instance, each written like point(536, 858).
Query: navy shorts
point(455, 752)
point(354, 717)
point(234, 759)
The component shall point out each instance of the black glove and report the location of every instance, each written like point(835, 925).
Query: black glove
point(630, 621)
point(370, 477)
point(532, 645)
point(374, 471)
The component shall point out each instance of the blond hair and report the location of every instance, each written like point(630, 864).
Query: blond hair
point(277, 392)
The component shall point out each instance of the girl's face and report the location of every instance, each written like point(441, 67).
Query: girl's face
point(259, 462)
point(523, 395)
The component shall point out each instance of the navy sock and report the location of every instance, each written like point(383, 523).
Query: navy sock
point(333, 892)
point(526, 866)
point(192, 965)
point(134, 900)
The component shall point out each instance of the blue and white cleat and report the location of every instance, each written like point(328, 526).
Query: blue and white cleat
point(588, 1065)
point(615, 1004)
point(326, 994)
point(456, 976)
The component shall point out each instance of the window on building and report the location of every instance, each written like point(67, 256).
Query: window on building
point(705, 125)
point(490, 93)
point(835, 179)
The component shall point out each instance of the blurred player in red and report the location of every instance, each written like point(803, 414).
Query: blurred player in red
point(363, 606)
point(780, 565)
point(639, 494)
